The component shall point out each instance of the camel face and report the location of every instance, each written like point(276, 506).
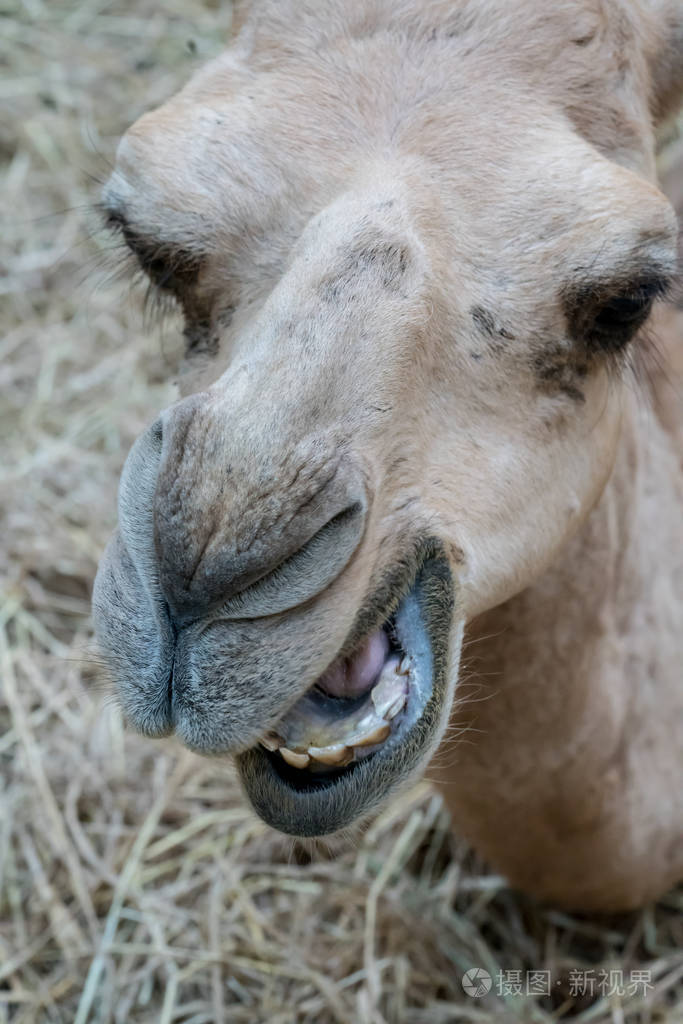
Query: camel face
point(411, 282)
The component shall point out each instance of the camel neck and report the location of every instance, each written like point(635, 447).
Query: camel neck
point(557, 711)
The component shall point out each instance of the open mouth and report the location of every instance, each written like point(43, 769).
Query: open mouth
point(353, 709)
point(365, 725)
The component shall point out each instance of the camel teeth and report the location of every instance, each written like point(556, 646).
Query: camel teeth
point(296, 760)
point(338, 755)
point(271, 741)
point(402, 669)
point(386, 695)
point(381, 694)
point(397, 705)
point(377, 735)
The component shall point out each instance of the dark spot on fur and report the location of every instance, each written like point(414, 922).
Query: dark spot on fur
point(200, 338)
point(388, 262)
point(556, 368)
point(488, 325)
point(585, 40)
point(483, 319)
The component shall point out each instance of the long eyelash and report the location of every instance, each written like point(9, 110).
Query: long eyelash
point(646, 359)
point(159, 268)
point(157, 305)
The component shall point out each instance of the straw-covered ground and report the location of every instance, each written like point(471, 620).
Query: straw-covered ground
point(135, 886)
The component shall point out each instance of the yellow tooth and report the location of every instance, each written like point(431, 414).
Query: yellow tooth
point(402, 669)
point(271, 741)
point(377, 735)
point(292, 757)
point(338, 755)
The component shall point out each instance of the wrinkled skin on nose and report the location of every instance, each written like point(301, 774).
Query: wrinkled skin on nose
point(228, 513)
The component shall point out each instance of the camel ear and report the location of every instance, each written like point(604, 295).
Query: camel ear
point(666, 56)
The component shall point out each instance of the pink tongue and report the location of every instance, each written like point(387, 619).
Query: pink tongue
point(352, 677)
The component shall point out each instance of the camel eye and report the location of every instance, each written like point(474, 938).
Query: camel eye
point(627, 311)
point(169, 269)
point(605, 317)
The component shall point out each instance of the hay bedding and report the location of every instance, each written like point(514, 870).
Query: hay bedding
point(134, 884)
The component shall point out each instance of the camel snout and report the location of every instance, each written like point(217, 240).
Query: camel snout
point(239, 525)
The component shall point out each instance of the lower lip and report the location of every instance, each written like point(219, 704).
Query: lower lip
point(301, 803)
point(304, 778)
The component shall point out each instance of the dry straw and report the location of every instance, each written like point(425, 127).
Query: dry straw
point(135, 886)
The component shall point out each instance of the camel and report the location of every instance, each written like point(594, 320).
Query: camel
point(417, 508)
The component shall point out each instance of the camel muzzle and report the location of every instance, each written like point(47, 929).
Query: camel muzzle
point(253, 528)
point(211, 603)
point(256, 667)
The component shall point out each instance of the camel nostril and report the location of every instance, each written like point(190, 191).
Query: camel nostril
point(244, 529)
point(303, 574)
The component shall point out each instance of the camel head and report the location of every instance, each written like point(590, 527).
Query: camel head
point(414, 244)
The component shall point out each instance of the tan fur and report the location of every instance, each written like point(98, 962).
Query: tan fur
point(384, 216)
